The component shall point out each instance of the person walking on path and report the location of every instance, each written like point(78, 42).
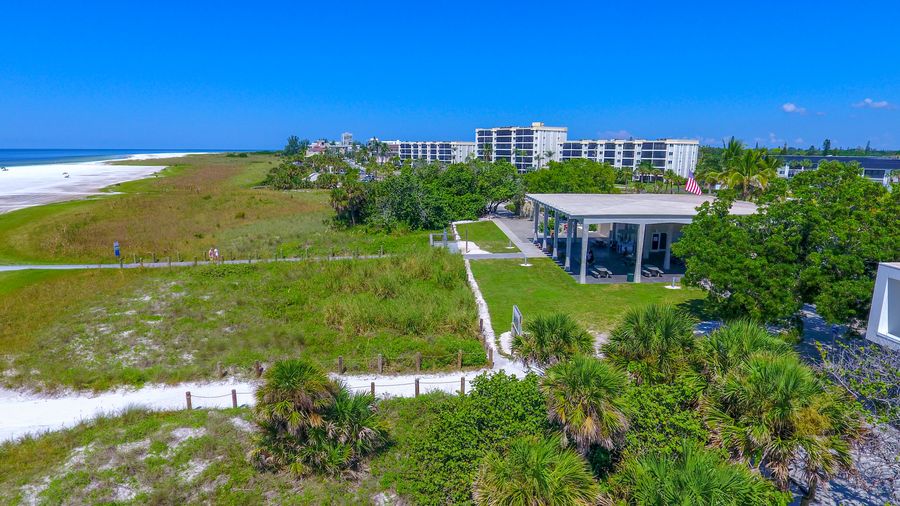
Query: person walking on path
point(216, 254)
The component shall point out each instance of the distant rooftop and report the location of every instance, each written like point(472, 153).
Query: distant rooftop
point(866, 162)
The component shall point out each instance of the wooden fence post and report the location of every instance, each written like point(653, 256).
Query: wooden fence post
point(462, 385)
point(417, 387)
point(195, 261)
point(418, 361)
point(459, 359)
point(258, 368)
point(372, 388)
point(340, 364)
point(121, 263)
point(491, 358)
point(169, 260)
point(187, 397)
point(380, 363)
point(142, 261)
point(481, 325)
point(233, 398)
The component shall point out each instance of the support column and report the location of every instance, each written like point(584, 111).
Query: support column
point(536, 212)
point(582, 278)
point(667, 260)
point(569, 227)
point(555, 233)
point(639, 252)
point(546, 227)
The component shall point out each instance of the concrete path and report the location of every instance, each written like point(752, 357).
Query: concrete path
point(519, 239)
point(157, 265)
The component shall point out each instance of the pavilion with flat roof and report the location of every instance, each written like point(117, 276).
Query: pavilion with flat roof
point(630, 228)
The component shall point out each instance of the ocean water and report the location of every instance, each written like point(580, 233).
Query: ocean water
point(17, 157)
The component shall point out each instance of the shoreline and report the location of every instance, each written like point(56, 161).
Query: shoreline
point(26, 186)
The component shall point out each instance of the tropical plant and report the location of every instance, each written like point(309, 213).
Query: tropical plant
point(731, 345)
point(751, 170)
point(307, 422)
point(584, 398)
point(773, 413)
point(535, 471)
point(653, 343)
point(694, 476)
point(551, 338)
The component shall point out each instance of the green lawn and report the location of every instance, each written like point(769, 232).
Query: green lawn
point(545, 288)
point(196, 203)
point(179, 457)
point(98, 329)
point(487, 236)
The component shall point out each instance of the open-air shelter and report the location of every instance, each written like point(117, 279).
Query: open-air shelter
point(636, 225)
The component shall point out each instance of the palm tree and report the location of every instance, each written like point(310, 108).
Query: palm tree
point(645, 168)
point(774, 412)
point(290, 403)
point(731, 345)
point(653, 343)
point(731, 152)
point(539, 158)
point(750, 171)
point(548, 154)
point(694, 475)
point(549, 339)
point(534, 472)
point(584, 397)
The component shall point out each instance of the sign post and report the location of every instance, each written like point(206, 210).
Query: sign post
point(116, 249)
point(516, 321)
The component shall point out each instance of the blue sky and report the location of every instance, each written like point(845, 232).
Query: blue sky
point(248, 74)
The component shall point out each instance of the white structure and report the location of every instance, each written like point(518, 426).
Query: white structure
point(648, 221)
point(884, 317)
point(432, 151)
point(346, 139)
point(527, 148)
point(678, 155)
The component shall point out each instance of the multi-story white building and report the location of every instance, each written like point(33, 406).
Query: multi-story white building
point(678, 155)
point(346, 139)
point(527, 148)
point(432, 151)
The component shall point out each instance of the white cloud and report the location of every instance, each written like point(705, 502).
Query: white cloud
point(872, 104)
point(799, 141)
point(615, 134)
point(791, 107)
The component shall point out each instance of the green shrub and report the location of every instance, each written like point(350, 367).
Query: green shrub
point(693, 475)
point(440, 462)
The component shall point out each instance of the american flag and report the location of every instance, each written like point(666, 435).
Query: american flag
point(692, 185)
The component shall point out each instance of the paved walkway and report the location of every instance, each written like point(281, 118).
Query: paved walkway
point(519, 230)
point(157, 265)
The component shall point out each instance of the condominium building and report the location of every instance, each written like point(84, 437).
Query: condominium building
point(346, 139)
point(432, 151)
point(678, 155)
point(527, 148)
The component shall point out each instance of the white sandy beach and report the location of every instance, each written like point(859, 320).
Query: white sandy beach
point(33, 185)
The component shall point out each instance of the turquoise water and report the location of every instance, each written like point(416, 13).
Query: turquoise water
point(16, 157)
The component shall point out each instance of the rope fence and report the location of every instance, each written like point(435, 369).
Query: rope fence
point(372, 387)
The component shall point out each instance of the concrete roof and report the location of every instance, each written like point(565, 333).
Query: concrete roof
point(632, 207)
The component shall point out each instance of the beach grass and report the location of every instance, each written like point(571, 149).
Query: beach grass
point(544, 288)
point(487, 236)
point(97, 329)
point(196, 457)
point(196, 203)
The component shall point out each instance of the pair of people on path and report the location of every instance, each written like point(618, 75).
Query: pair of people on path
point(213, 254)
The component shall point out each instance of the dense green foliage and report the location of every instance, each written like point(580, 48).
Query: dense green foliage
point(819, 243)
point(662, 416)
point(535, 471)
point(576, 175)
point(694, 476)
point(426, 196)
point(441, 462)
point(309, 423)
point(296, 172)
point(551, 338)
